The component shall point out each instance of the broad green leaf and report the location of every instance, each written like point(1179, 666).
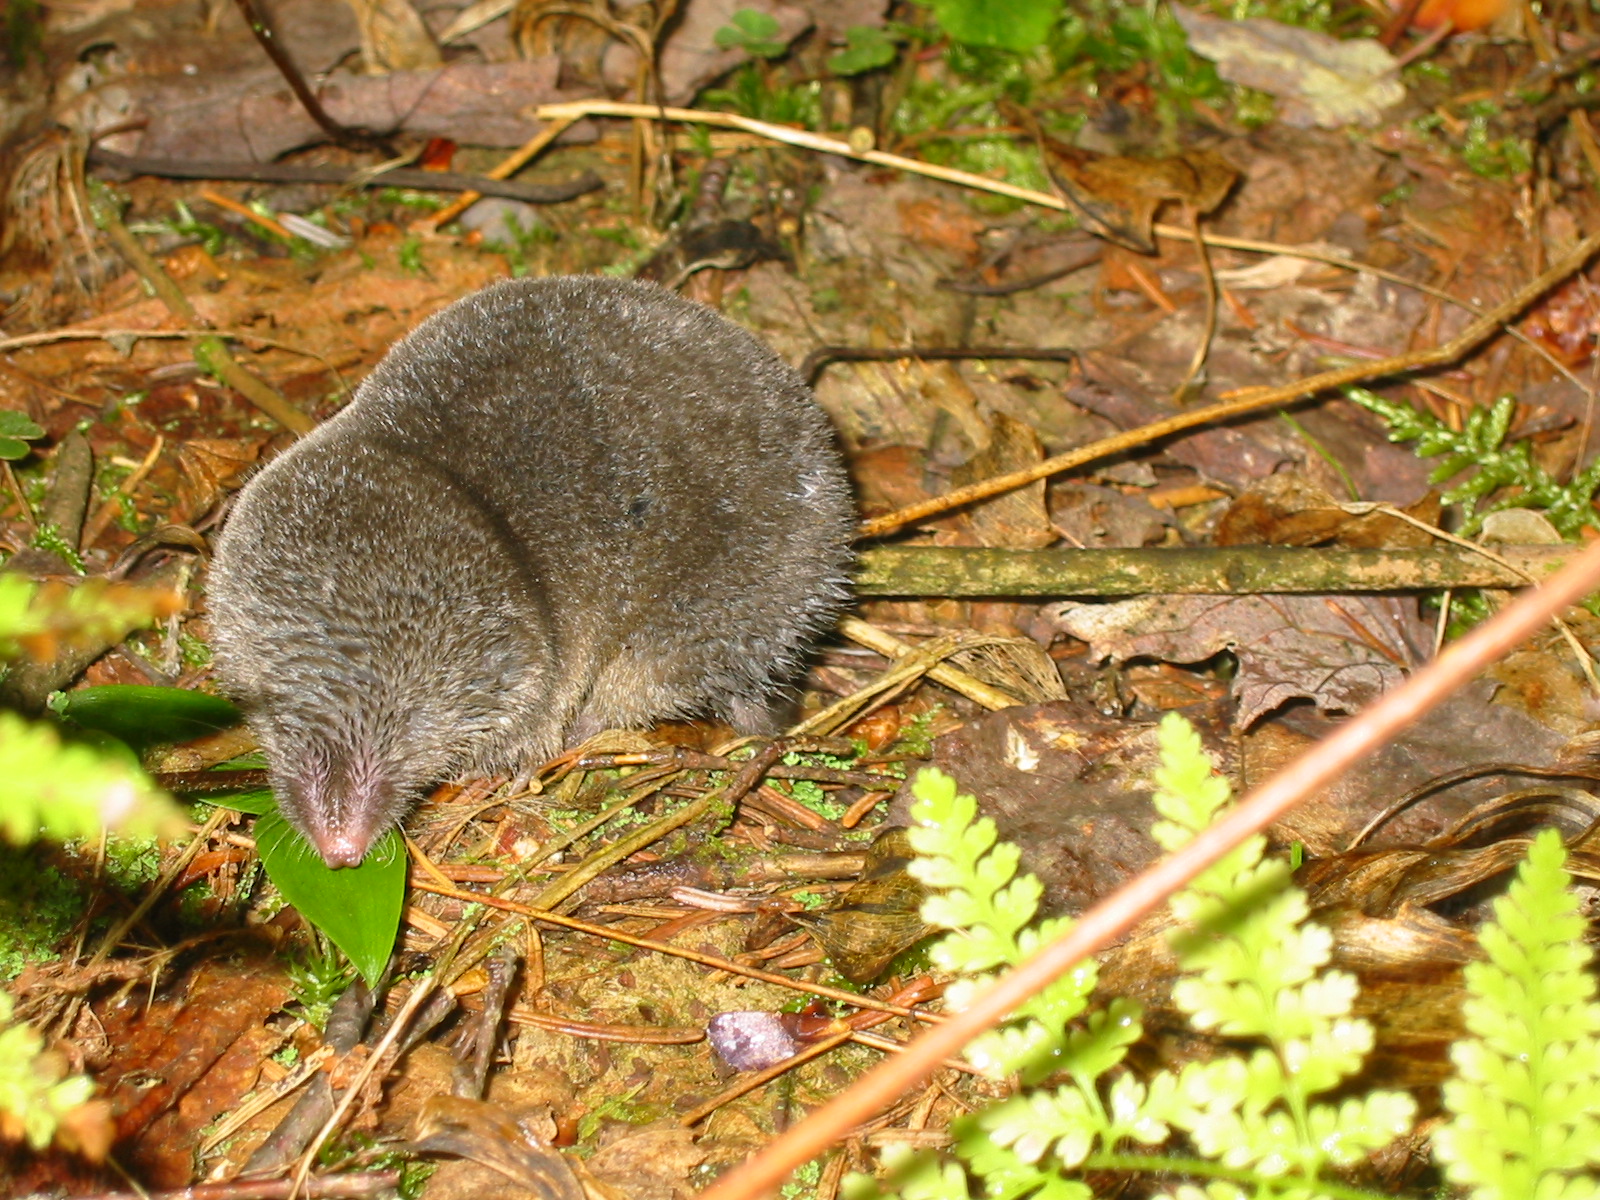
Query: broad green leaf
point(357, 907)
point(866, 49)
point(16, 431)
point(1006, 24)
point(146, 716)
point(255, 801)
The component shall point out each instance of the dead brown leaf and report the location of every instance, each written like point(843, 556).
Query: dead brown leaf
point(1341, 652)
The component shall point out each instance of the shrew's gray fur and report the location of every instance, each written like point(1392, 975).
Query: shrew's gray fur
point(558, 506)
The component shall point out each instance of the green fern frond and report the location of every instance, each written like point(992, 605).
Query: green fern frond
point(1255, 968)
point(987, 907)
point(1525, 1102)
point(35, 1095)
point(38, 617)
point(1480, 447)
point(50, 788)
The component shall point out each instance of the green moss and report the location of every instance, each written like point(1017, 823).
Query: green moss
point(38, 908)
point(131, 864)
point(410, 255)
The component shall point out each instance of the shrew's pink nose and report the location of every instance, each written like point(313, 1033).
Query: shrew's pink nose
point(342, 847)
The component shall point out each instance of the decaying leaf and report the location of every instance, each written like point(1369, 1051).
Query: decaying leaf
point(1018, 519)
point(1341, 652)
point(1287, 509)
point(1321, 80)
point(394, 37)
point(878, 918)
point(1118, 197)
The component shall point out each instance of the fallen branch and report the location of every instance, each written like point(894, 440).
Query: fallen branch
point(1205, 571)
point(354, 177)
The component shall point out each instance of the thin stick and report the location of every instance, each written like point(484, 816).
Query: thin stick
point(1209, 278)
point(1115, 915)
point(1468, 339)
point(48, 336)
point(530, 150)
point(421, 990)
point(107, 512)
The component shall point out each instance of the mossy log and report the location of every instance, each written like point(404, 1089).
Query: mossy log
point(1214, 571)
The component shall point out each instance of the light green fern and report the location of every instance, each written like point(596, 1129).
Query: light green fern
point(1479, 448)
point(49, 788)
point(1525, 1102)
point(37, 618)
point(1255, 968)
point(1524, 1107)
point(62, 791)
point(35, 1095)
point(1253, 971)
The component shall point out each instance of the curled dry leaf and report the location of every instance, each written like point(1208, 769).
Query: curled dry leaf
point(1118, 197)
point(878, 918)
point(1342, 652)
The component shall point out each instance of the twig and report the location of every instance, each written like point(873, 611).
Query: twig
point(107, 512)
point(48, 336)
point(421, 990)
point(908, 664)
point(954, 678)
point(1468, 339)
point(25, 510)
point(350, 177)
point(530, 150)
point(1585, 659)
point(212, 196)
point(812, 365)
point(354, 139)
point(1209, 330)
point(1116, 914)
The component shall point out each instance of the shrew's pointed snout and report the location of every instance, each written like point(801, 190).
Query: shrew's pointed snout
point(342, 847)
point(342, 808)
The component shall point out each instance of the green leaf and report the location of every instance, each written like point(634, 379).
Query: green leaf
point(1007, 24)
point(18, 425)
point(752, 31)
point(35, 1091)
point(866, 49)
point(147, 716)
point(255, 801)
point(16, 431)
point(357, 907)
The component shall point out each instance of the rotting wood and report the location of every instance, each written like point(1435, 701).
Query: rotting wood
point(1210, 570)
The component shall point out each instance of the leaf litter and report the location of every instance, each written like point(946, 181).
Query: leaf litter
point(873, 259)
